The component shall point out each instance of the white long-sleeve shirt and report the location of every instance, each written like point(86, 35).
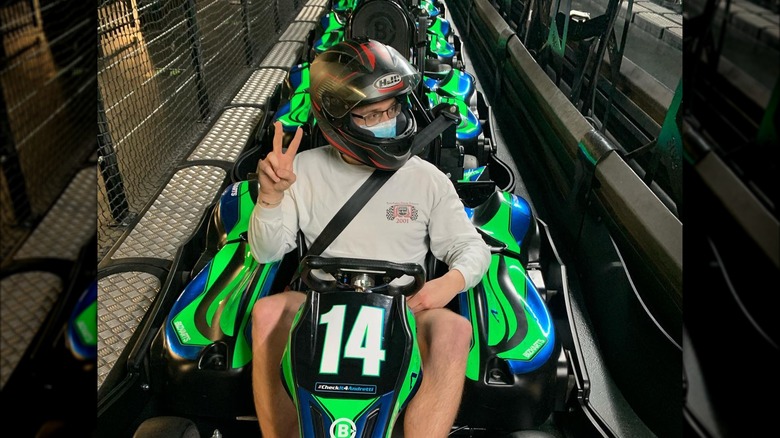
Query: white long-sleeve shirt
point(417, 208)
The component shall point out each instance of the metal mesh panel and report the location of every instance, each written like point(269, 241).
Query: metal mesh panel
point(123, 300)
point(165, 69)
point(69, 223)
point(229, 135)
point(46, 108)
point(264, 26)
point(283, 55)
point(11, 235)
point(260, 86)
point(310, 13)
point(26, 300)
point(288, 9)
point(297, 32)
point(174, 214)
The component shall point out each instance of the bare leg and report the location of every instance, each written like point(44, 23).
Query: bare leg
point(271, 321)
point(444, 338)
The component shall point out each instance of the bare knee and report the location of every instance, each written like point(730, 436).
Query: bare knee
point(449, 335)
point(273, 312)
point(457, 334)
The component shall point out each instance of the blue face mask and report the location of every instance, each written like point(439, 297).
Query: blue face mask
point(384, 129)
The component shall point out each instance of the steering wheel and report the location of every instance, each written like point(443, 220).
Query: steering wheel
point(372, 276)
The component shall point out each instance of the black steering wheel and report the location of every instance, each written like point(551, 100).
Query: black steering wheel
point(376, 275)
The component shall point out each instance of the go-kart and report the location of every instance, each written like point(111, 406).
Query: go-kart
point(359, 390)
point(196, 362)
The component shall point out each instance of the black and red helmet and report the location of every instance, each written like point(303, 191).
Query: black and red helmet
point(358, 72)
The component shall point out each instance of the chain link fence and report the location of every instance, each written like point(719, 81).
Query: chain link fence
point(47, 101)
point(165, 70)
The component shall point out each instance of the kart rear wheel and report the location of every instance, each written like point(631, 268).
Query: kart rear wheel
point(167, 427)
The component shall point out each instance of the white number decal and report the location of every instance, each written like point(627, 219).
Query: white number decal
point(331, 351)
point(364, 341)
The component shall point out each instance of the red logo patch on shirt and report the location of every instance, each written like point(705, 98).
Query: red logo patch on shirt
point(401, 213)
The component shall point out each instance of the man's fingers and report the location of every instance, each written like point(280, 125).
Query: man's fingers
point(278, 136)
point(287, 175)
point(273, 160)
point(292, 148)
point(270, 174)
point(277, 165)
point(266, 168)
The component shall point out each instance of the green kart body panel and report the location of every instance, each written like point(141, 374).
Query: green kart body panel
point(215, 307)
point(356, 398)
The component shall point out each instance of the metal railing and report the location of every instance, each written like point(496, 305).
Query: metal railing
point(165, 69)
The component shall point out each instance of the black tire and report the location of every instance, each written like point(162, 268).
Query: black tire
point(167, 427)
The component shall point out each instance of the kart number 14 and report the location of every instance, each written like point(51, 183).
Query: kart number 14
point(364, 340)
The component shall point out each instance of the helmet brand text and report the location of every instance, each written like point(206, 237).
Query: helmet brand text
point(387, 81)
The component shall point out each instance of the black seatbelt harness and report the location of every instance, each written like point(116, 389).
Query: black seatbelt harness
point(347, 212)
point(447, 115)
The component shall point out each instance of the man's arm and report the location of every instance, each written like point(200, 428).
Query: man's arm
point(272, 230)
point(273, 224)
point(438, 292)
point(455, 241)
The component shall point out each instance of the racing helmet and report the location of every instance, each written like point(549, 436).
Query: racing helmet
point(358, 72)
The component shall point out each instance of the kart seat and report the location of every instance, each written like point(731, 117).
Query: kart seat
point(388, 22)
point(436, 69)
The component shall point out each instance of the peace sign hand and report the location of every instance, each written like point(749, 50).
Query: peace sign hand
point(274, 172)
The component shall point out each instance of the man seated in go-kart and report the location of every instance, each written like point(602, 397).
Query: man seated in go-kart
point(359, 93)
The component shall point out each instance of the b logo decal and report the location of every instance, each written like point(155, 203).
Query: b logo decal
point(342, 428)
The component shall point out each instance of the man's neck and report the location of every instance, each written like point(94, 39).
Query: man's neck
point(349, 159)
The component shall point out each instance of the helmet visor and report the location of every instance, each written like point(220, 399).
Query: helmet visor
point(372, 76)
